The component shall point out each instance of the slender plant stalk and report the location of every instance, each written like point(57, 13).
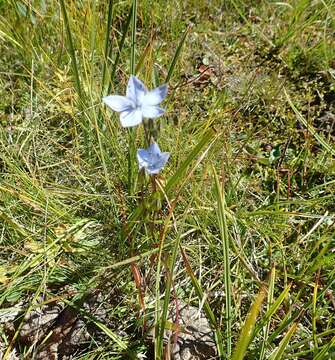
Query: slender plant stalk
point(160, 321)
point(108, 45)
point(269, 302)
point(221, 214)
point(168, 286)
point(207, 309)
point(314, 315)
point(247, 329)
point(177, 53)
point(322, 354)
point(93, 38)
point(120, 47)
point(133, 37)
point(278, 354)
point(161, 317)
point(131, 132)
point(71, 49)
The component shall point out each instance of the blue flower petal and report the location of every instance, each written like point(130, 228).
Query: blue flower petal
point(136, 90)
point(144, 156)
point(152, 159)
point(138, 103)
point(154, 150)
point(131, 118)
point(118, 103)
point(164, 159)
point(152, 112)
point(155, 96)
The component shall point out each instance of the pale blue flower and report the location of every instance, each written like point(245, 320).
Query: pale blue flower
point(138, 103)
point(152, 159)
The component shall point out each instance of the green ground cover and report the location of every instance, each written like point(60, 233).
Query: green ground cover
point(241, 220)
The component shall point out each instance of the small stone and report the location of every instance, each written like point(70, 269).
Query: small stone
point(195, 340)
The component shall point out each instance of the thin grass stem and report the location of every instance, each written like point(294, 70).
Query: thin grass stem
point(71, 49)
point(221, 215)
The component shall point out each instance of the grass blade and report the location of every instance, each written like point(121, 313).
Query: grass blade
point(108, 45)
point(133, 37)
point(221, 215)
point(268, 321)
point(273, 309)
point(247, 329)
point(179, 174)
point(177, 53)
point(71, 49)
point(309, 127)
point(131, 131)
point(208, 311)
point(118, 55)
point(278, 354)
point(323, 352)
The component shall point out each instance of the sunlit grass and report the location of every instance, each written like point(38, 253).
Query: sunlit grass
point(243, 209)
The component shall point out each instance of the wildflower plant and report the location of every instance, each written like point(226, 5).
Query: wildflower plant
point(140, 103)
point(148, 217)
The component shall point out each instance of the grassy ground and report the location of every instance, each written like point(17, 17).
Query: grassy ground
point(240, 222)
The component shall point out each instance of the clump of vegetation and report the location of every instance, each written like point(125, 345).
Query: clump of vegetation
point(96, 255)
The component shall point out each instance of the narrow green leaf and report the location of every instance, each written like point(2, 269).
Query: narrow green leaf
point(108, 45)
point(272, 310)
point(221, 215)
point(310, 128)
point(133, 37)
point(78, 305)
point(71, 49)
point(269, 303)
point(177, 53)
point(247, 329)
point(322, 354)
point(278, 354)
point(123, 345)
point(207, 309)
point(118, 55)
point(179, 174)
